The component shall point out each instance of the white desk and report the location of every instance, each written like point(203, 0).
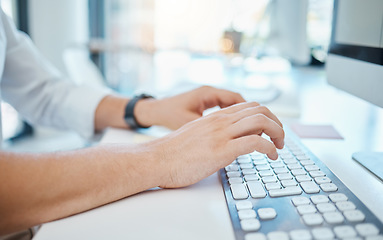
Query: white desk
point(200, 212)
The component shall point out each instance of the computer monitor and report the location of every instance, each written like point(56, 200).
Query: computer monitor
point(355, 60)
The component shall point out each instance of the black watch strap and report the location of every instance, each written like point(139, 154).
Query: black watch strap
point(129, 117)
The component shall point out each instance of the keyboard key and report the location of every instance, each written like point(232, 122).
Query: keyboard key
point(315, 174)
point(256, 189)
point(354, 215)
point(262, 167)
point(246, 214)
point(265, 173)
point(320, 180)
point(271, 160)
point(260, 162)
point(297, 172)
point(297, 201)
point(235, 180)
point(333, 217)
point(277, 236)
point(246, 165)
point(298, 152)
point(303, 178)
point(322, 233)
point(277, 165)
point(326, 207)
point(281, 170)
point(252, 177)
point(239, 191)
point(289, 191)
point(284, 176)
point(241, 205)
point(249, 171)
point(269, 179)
point(267, 213)
point(290, 161)
point(367, 229)
point(344, 231)
point(233, 174)
point(319, 199)
point(250, 224)
point(307, 162)
point(306, 209)
point(270, 186)
point(231, 168)
point(294, 166)
point(289, 183)
point(309, 187)
point(286, 156)
point(255, 236)
point(347, 205)
point(302, 157)
point(300, 235)
point(328, 187)
point(337, 197)
point(312, 219)
point(310, 168)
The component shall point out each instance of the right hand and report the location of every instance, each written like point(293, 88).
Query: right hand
point(202, 147)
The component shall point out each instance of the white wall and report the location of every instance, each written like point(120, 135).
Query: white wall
point(56, 24)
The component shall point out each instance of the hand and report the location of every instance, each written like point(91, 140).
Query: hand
point(202, 147)
point(174, 112)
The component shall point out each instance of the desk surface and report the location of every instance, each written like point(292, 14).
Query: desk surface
point(200, 212)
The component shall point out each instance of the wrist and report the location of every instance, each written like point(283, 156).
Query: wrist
point(144, 112)
point(135, 115)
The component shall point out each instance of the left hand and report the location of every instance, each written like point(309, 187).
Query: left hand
point(174, 112)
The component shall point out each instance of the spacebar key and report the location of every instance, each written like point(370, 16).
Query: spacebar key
point(285, 191)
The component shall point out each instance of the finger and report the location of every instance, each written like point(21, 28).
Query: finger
point(258, 124)
point(238, 107)
point(256, 110)
point(251, 143)
point(227, 98)
point(212, 97)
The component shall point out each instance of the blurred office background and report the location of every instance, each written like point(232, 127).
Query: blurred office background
point(147, 45)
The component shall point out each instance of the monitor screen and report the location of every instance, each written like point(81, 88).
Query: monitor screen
point(355, 61)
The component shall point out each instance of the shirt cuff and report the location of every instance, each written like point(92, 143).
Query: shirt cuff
point(82, 102)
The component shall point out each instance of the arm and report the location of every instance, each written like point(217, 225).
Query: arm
point(171, 112)
point(37, 188)
point(38, 91)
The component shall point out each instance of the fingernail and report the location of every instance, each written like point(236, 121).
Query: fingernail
point(273, 156)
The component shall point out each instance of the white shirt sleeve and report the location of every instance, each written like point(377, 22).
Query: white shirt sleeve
point(36, 89)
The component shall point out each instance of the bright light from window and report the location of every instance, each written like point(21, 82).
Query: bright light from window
point(7, 6)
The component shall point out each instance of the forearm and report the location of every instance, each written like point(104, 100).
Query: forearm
point(37, 188)
point(110, 112)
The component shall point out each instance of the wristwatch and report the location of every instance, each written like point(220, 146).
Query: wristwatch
point(129, 117)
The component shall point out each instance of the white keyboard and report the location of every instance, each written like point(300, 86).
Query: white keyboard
point(295, 197)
